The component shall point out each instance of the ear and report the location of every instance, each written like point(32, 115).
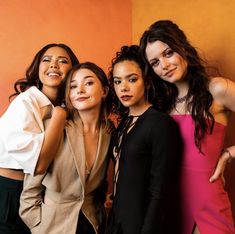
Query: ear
point(106, 90)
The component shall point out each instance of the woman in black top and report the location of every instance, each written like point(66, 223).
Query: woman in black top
point(146, 151)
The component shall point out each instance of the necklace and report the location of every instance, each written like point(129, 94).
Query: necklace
point(181, 100)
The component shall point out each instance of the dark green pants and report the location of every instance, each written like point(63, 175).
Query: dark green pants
point(84, 225)
point(10, 222)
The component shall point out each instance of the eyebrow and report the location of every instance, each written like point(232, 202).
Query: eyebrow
point(84, 78)
point(163, 52)
point(126, 77)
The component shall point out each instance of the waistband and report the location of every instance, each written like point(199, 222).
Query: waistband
point(6, 182)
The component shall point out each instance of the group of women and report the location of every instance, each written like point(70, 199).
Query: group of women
point(57, 139)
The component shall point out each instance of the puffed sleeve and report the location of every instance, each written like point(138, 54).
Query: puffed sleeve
point(164, 140)
point(22, 133)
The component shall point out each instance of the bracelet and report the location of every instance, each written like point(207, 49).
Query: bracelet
point(229, 154)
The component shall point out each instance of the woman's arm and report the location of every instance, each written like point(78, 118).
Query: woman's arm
point(223, 91)
point(226, 156)
point(23, 134)
point(53, 134)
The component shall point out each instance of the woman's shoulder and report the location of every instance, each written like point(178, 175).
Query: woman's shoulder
point(158, 125)
point(218, 86)
point(28, 100)
point(223, 92)
point(32, 94)
point(37, 97)
point(154, 113)
point(155, 118)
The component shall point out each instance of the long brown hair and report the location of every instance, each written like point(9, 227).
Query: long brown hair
point(199, 98)
point(32, 73)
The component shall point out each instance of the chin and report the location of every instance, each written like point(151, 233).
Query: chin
point(125, 105)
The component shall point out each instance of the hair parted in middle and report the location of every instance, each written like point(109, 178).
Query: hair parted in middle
point(107, 102)
point(199, 97)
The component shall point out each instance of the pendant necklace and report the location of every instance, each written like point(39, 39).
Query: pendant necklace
point(181, 99)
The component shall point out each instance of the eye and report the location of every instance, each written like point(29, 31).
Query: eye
point(89, 83)
point(116, 81)
point(63, 61)
point(45, 59)
point(73, 86)
point(169, 53)
point(133, 79)
point(154, 63)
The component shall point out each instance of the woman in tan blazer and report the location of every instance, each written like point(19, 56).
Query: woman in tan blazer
point(69, 197)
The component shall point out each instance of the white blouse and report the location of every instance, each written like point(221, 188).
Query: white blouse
point(22, 130)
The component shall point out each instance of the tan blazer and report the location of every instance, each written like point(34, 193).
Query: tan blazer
point(50, 203)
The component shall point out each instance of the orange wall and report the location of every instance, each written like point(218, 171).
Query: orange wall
point(210, 27)
point(94, 29)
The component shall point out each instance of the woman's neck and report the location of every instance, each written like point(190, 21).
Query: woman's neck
point(52, 95)
point(90, 121)
point(183, 88)
point(180, 105)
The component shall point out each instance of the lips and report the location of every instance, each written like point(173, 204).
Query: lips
point(126, 97)
point(170, 72)
point(81, 99)
point(54, 74)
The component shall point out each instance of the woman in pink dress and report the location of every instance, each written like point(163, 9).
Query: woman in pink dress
point(201, 106)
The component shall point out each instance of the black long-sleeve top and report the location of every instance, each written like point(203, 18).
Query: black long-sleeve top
point(148, 166)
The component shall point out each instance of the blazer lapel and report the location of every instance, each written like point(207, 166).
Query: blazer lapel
point(76, 144)
point(101, 153)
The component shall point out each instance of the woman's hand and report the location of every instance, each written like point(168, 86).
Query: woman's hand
point(60, 112)
point(219, 171)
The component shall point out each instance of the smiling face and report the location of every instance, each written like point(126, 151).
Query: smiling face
point(86, 91)
point(129, 85)
point(53, 67)
point(166, 63)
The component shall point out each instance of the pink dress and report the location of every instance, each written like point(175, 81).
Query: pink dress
point(204, 203)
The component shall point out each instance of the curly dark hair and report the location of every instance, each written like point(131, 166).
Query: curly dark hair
point(32, 73)
point(199, 98)
point(130, 53)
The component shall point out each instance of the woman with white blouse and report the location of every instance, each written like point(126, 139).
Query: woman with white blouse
point(25, 145)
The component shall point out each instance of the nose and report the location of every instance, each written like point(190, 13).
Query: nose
point(80, 89)
point(124, 86)
point(54, 64)
point(165, 64)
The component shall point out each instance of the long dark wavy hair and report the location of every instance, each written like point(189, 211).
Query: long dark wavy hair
point(130, 53)
point(199, 98)
point(107, 102)
point(32, 73)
